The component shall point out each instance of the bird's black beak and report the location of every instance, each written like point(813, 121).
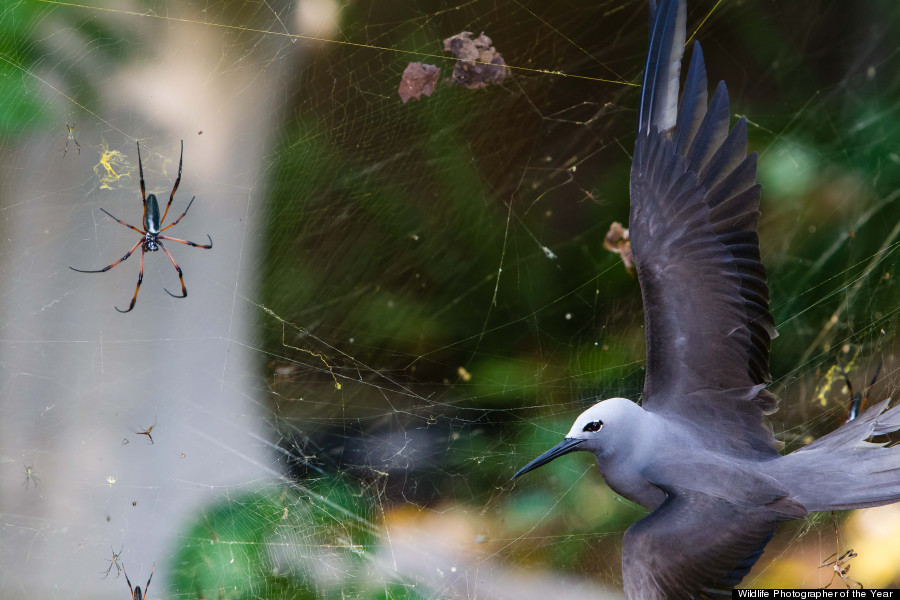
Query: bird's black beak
point(564, 447)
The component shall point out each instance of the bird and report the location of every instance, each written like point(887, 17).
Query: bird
point(698, 452)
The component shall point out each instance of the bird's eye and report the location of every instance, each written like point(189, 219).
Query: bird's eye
point(593, 426)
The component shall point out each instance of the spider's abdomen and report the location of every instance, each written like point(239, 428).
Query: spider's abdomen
point(151, 215)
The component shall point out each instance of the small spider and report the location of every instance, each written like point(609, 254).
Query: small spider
point(71, 137)
point(145, 432)
point(151, 240)
point(859, 399)
point(30, 476)
point(841, 567)
point(114, 562)
point(136, 591)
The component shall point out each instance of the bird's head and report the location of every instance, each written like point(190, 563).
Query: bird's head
point(602, 429)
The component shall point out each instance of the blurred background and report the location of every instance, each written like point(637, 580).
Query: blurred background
point(405, 302)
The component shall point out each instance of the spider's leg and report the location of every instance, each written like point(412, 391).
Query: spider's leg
point(141, 171)
point(180, 276)
point(128, 580)
point(147, 587)
point(143, 190)
point(865, 397)
point(65, 148)
point(175, 222)
point(104, 269)
point(140, 231)
point(138, 287)
point(175, 187)
point(194, 244)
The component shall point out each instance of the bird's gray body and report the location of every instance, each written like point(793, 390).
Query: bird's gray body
point(713, 511)
point(698, 452)
point(640, 453)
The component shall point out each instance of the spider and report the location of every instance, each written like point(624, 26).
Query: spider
point(114, 562)
point(840, 563)
point(71, 137)
point(859, 399)
point(30, 476)
point(136, 591)
point(145, 432)
point(841, 567)
point(151, 240)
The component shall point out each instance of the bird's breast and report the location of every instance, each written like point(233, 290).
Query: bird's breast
point(630, 484)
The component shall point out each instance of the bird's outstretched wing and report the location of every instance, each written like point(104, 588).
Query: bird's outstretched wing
point(694, 546)
point(694, 215)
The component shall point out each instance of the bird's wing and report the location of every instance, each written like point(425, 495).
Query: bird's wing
point(694, 215)
point(693, 546)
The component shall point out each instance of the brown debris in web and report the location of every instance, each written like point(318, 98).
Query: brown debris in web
point(479, 64)
point(418, 79)
point(617, 241)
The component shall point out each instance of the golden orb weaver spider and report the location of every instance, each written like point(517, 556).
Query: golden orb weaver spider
point(136, 591)
point(151, 240)
point(858, 400)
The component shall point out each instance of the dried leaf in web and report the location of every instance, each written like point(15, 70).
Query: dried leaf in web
point(418, 78)
point(617, 241)
point(479, 64)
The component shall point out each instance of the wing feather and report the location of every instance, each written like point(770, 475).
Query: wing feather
point(659, 94)
point(730, 154)
point(693, 102)
point(693, 231)
point(693, 546)
point(712, 132)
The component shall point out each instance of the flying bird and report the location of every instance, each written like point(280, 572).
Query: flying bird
point(698, 452)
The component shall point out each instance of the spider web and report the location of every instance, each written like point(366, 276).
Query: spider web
point(405, 302)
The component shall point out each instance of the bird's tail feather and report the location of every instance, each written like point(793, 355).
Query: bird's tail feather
point(841, 470)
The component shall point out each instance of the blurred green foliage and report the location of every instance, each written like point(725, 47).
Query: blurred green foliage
point(28, 100)
point(298, 543)
point(19, 99)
